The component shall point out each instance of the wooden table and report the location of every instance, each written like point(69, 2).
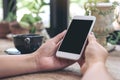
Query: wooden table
point(70, 73)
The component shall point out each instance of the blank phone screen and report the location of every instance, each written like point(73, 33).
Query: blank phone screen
point(76, 36)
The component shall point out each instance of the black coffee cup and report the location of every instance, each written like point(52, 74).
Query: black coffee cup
point(27, 43)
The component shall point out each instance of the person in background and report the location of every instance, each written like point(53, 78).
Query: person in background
point(44, 59)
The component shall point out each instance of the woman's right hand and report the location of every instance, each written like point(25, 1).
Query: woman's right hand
point(94, 53)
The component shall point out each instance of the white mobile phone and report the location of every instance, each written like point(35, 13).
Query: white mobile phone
point(74, 41)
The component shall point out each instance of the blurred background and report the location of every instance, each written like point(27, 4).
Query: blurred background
point(50, 17)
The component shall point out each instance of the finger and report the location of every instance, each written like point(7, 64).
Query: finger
point(83, 68)
point(91, 37)
point(57, 38)
point(81, 61)
point(63, 62)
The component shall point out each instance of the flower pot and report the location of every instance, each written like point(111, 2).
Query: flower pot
point(103, 25)
point(15, 28)
point(4, 29)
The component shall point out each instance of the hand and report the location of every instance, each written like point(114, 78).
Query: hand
point(94, 53)
point(45, 56)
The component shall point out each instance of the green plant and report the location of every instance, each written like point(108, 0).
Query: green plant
point(10, 17)
point(11, 12)
point(35, 8)
point(28, 21)
point(114, 38)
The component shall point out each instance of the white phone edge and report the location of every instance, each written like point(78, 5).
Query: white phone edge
point(73, 56)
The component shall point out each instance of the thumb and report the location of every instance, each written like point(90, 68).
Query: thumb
point(57, 38)
point(91, 37)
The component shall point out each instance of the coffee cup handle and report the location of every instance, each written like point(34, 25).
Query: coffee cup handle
point(27, 41)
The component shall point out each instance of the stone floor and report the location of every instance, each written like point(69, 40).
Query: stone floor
point(70, 73)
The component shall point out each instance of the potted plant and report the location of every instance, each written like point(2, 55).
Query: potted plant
point(104, 12)
point(113, 41)
point(4, 24)
point(30, 20)
point(4, 29)
point(14, 26)
point(114, 38)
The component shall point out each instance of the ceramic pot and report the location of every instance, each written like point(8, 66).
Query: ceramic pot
point(4, 29)
point(103, 25)
point(15, 28)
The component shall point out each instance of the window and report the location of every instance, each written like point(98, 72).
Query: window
point(77, 7)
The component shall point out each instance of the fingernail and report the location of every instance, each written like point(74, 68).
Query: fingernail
point(92, 33)
point(64, 31)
